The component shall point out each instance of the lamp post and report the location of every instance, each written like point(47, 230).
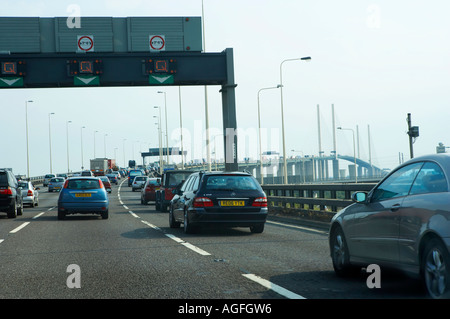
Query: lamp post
point(161, 161)
point(50, 141)
point(81, 134)
point(167, 132)
point(124, 162)
point(354, 149)
point(104, 143)
point(282, 113)
point(208, 152)
point(67, 140)
point(94, 142)
point(259, 131)
point(181, 129)
point(26, 127)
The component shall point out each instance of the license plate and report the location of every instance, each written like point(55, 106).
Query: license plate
point(83, 195)
point(232, 203)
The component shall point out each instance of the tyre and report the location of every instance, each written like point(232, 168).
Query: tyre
point(340, 254)
point(172, 222)
point(61, 215)
point(105, 215)
point(187, 226)
point(257, 229)
point(12, 212)
point(435, 269)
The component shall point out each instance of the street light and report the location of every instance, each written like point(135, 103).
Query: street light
point(50, 141)
point(67, 137)
point(208, 152)
point(82, 166)
point(167, 132)
point(94, 142)
point(161, 161)
point(26, 126)
point(259, 131)
point(282, 114)
point(354, 149)
point(104, 143)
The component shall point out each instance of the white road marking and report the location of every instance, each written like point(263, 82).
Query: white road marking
point(299, 227)
point(15, 230)
point(196, 249)
point(278, 289)
point(133, 214)
point(126, 207)
point(173, 237)
point(1, 240)
point(40, 214)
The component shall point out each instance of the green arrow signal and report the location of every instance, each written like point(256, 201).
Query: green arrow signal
point(86, 80)
point(11, 82)
point(160, 79)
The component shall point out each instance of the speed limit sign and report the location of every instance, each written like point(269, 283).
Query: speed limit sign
point(85, 43)
point(157, 43)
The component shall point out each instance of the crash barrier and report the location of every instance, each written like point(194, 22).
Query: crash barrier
point(316, 202)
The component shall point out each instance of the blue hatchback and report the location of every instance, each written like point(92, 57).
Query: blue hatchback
point(83, 195)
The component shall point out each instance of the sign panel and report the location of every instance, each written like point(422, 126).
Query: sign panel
point(85, 43)
point(84, 80)
point(160, 79)
point(157, 43)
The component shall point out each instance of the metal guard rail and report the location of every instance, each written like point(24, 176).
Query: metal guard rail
point(312, 201)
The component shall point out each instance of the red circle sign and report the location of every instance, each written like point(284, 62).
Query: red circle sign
point(157, 42)
point(85, 43)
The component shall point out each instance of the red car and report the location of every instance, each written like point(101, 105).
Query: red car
point(106, 183)
point(148, 192)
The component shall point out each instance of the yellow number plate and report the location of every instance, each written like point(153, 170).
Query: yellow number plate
point(232, 203)
point(83, 195)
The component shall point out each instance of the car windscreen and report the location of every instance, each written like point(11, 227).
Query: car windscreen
point(231, 183)
point(3, 179)
point(23, 185)
point(176, 178)
point(83, 184)
point(57, 180)
point(153, 182)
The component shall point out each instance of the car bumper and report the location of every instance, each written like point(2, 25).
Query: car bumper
point(28, 200)
point(83, 208)
point(232, 219)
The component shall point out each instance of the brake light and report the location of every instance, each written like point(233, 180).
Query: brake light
point(30, 193)
point(260, 202)
point(203, 202)
point(6, 191)
point(101, 183)
point(66, 183)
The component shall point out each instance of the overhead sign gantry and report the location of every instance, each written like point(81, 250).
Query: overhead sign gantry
point(105, 52)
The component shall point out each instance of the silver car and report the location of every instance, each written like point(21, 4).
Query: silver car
point(56, 184)
point(30, 194)
point(47, 178)
point(138, 182)
point(402, 223)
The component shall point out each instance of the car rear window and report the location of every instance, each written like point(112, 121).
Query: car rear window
point(136, 173)
point(3, 179)
point(153, 182)
point(23, 185)
point(49, 176)
point(176, 178)
point(57, 180)
point(231, 182)
point(83, 184)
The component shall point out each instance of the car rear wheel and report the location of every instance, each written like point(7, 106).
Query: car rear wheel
point(436, 269)
point(12, 213)
point(257, 229)
point(340, 254)
point(188, 227)
point(61, 215)
point(105, 215)
point(172, 222)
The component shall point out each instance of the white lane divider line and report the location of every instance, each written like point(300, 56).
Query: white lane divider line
point(196, 249)
point(269, 285)
point(298, 227)
point(15, 230)
point(37, 216)
point(125, 206)
point(133, 214)
point(1, 240)
point(173, 237)
point(150, 224)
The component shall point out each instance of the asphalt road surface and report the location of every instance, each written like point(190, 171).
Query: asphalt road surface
point(135, 254)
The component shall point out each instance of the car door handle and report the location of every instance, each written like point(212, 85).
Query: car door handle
point(395, 207)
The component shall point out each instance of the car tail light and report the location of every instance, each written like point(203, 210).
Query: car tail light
point(6, 191)
point(260, 202)
point(101, 183)
point(30, 192)
point(66, 183)
point(203, 202)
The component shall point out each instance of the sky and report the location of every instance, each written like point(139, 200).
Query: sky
point(375, 61)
